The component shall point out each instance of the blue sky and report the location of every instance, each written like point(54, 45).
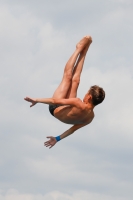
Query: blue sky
point(37, 38)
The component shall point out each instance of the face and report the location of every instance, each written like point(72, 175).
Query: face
point(87, 98)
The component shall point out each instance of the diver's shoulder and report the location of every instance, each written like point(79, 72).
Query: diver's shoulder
point(91, 117)
point(91, 114)
point(80, 103)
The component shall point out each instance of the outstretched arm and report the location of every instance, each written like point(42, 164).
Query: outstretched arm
point(53, 140)
point(72, 101)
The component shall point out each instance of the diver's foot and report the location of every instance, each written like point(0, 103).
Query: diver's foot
point(86, 41)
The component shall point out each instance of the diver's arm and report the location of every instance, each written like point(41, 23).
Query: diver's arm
point(72, 101)
point(53, 140)
point(71, 130)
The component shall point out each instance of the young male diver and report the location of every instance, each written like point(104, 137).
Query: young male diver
point(64, 104)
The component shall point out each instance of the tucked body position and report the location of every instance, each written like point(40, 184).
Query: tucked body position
point(64, 105)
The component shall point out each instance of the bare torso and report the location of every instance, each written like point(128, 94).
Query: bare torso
point(74, 115)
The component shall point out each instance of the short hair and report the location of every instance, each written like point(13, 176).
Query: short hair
point(97, 93)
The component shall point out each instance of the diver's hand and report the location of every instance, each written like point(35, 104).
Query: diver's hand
point(33, 101)
point(51, 142)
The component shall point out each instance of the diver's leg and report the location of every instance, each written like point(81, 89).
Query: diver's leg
point(72, 93)
point(62, 90)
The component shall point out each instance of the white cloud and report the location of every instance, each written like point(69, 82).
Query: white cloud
point(55, 195)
